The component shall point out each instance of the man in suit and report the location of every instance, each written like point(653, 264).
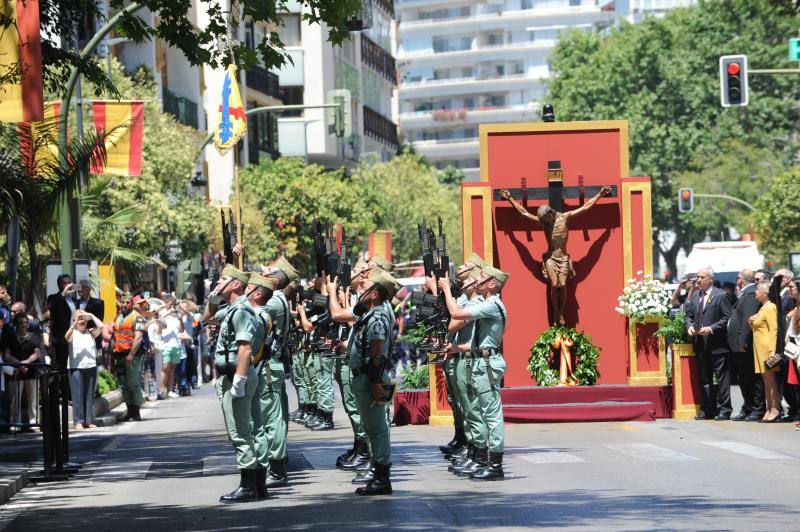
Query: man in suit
point(61, 306)
point(92, 305)
point(707, 323)
point(790, 392)
point(740, 342)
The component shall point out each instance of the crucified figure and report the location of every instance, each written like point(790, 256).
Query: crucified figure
point(556, 263)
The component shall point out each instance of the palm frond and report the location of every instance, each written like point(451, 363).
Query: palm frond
point(131, 259)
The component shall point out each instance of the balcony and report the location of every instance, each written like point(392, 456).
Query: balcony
point(380, 128)
point(471, 85)
point(183, 109)
point(448, 148)
point(474, 115)
point(475, 53)
point(262, 80)
point(386, 5)
point(378, 59)
point(291, 73)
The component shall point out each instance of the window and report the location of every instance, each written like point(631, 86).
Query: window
point(526, 4)
point(426, 106)
point(574, 2)
point(469, 103)
point(495, 38)
point(466, 72)
point(290, 31)
point(519, 67)
point(292, 96)
point(500, 70)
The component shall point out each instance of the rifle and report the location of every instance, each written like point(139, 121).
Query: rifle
point(319, 247)
point(437, 264)
point(227, 248)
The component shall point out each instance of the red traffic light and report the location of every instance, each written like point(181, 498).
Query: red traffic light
point(685, 194)
point(733, 68)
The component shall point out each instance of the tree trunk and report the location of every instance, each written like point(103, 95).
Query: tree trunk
point(36, 288)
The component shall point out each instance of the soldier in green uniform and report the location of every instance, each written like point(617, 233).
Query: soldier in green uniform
point(274, 401)
point(259, 292)
point(488, 365)
point(475, 430)
point(127, 337)
point(237, 381)
point(369, 348)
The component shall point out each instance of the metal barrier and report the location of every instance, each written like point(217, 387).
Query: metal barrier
point(53, 389)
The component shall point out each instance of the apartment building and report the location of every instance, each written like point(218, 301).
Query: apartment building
point(364, 65)
point(468, 62)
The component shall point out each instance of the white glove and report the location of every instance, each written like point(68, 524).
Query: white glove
point(239, 386)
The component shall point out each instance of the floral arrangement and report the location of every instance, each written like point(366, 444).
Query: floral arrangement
point(643, 297)
point(544, 360)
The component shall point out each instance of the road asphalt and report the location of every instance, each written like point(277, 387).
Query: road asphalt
point(168, 471)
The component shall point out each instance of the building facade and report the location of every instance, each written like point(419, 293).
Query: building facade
point(467, 62)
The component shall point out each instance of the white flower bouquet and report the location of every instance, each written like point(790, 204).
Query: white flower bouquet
point(643, 297)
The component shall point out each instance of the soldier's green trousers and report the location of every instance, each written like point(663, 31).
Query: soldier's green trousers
point(310, 377)
point(274, 406)
point(258, 422)
point(128, 376)
point(238, 412)
point(451, 386)
point(323, 367)
point(376, 424)
point(474, 428)
point(299, 378)
point(341, 372)
point(491, 409)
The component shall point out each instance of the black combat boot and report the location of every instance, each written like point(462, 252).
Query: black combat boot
point(380, 485)
point(326, 422)
point(363, 477)
point(456, 444)
point(277, 477)
point(460, 454)
point(261, 483)
point(360, 460)
point(297, 413)
point(301, 418)
point(137, 414)
point(479, 461)
point(246, 492)
point(128, 413)
point(460, 462)
point(493, 470)
point(313, 417)
point(346, 457)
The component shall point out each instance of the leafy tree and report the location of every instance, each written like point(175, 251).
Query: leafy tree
point(71, 20)
point(744, 171)
point(662, 76)
point(281, 199)
point(407, 191)
point(451, 176)
point(777, 216)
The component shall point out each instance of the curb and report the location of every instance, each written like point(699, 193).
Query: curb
point(11, 484)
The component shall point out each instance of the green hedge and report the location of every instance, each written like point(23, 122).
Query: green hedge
point(106, 382)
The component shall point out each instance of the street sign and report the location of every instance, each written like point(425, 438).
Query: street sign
point(794, 49)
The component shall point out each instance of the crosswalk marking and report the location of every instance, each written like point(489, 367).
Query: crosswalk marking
point(545, 455)
point(748, 450)
point(122, 470)
point(219, 465)
point(650, 453)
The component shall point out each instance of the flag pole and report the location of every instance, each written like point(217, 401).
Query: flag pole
point(238, 206)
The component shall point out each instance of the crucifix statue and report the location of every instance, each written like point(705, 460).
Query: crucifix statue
point(556, 264)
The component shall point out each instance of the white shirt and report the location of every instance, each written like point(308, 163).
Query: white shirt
point(154, 336)
point(170, 332)
point(82, 351)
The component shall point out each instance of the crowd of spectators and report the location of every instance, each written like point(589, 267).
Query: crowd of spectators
point(71, 335)
point(748, 332)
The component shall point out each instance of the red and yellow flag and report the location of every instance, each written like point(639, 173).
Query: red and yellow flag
point(123, 125)
point(39, 141)
point(22, 99)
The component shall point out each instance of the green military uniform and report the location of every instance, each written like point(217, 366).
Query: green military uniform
point(299, 377)
point(474, 428)
point(451, 385)
point(343, 376)
point(274, 402)
point(258, 418)
point(323, 366)
point(237, 324)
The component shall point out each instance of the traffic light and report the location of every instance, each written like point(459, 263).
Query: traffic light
point(733, 80)
point(685, 200)
point(340, 117)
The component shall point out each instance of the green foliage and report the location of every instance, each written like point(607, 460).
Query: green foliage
point(673, 329)
point(662, 76)
point(543, 357)
point(415, 378)
point(281, 198)
point(413, 336)
point(106, 382)
point(451, 176)
point(777, 216)
point(177, 26)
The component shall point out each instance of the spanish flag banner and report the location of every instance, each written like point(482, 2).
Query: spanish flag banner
point(231, 124)
point(22, 97)
point(39, 141)
point(123, 125)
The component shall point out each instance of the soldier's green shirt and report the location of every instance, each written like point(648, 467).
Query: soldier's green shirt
point(277, 307)
point(464, 336)
point(377, 323)
point(237, 325)
point(489, 317)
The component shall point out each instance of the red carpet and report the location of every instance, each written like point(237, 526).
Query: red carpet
point(532, 404)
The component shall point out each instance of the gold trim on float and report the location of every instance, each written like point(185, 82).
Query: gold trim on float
point(628, 188)
point(681, 410)
point(647, 378)
point(467, 194)
point(436, 416)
